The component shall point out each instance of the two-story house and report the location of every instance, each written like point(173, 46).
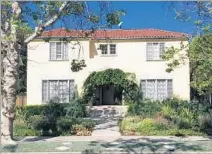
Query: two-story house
point(138, 51)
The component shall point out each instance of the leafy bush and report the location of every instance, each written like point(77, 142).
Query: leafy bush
point(145, 108)
point(30, 110)
point(65, 124)
point(21, 129)
point(76, 109)
point(128, 124)
point(205, 123)
point(88, 123)
point(36, 122)
point(150, 125)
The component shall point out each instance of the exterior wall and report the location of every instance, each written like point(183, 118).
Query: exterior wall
point(131, 57)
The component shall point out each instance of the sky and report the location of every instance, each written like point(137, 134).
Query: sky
point(152, 15)
point(145, 14)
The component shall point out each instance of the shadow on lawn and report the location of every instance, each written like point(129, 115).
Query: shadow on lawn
point(143, 145)
point(10, 148)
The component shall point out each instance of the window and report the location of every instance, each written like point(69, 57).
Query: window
point(58, 51)
point(57, 89)
point(154, 51)
point(108, 49)
point(157, 89)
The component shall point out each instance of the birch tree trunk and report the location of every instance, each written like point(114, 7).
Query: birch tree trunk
point(9, 82)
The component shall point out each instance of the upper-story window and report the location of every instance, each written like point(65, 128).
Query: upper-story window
point(58, 51)
point(154, 51)
point(108, 49)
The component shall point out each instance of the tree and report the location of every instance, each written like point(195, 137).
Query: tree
point(199, 54)
point(16, 33)
point(198, 51)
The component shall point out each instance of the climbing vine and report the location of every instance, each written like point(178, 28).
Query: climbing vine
point(116, 77)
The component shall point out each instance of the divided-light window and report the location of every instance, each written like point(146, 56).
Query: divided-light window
point(58, 51)
point(154, 51)
point(108, 49)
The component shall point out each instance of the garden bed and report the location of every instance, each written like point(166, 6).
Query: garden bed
point(53, 119)
point(167, 118)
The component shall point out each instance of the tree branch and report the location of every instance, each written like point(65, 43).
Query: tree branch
point(48, 23)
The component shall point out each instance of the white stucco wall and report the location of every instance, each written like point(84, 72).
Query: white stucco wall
point(131, 57)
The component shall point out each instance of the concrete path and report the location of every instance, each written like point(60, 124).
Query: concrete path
point(107, 127)
point(107, 118)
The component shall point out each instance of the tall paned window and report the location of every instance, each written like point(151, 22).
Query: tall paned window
point(154, 51)
point(58, 51)
point(62, 90)
point(157, 89)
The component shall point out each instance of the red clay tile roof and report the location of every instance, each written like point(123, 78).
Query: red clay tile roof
point(114, 34)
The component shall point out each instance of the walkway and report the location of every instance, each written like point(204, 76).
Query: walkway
point(107, 118)
point(109, 144)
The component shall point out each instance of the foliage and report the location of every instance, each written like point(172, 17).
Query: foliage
point(168, 117)
point(205, 122)
point(199, 53)
point(145, 108)
point(21, 129)
point(149, 124)
point(65, 124)
point(76, 109)
point(198, 12)
point(116, 77)
point(30, 110)
point(80, 130)
point(36, 122)
point(54, 119)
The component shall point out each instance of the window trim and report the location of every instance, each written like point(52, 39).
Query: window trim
point(48, 88)
point(159, 59)
point(108, 51)
point(156, 87)
point(63, 44)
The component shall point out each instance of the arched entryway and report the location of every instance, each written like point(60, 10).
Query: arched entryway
point(109, 87)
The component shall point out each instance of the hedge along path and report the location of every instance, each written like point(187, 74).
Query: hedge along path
point(116, 77)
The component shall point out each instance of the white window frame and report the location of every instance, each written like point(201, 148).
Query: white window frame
point(47, 92)
point(154, 54)
point(108, 50)
point(156, 89)
point(58, 55)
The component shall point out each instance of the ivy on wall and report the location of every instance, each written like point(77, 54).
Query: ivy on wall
point(116, 77)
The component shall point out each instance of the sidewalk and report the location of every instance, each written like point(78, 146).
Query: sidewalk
point(111, 144)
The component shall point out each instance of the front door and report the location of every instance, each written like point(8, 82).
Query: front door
point(108, 95)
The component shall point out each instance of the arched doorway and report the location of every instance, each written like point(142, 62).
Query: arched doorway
point(108, 87)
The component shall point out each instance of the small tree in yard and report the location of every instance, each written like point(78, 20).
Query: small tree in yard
point(15, 34)
point(199, 49)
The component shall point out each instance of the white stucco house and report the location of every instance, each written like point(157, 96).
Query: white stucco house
point(135, 51)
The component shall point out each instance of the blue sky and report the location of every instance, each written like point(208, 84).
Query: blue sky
point(141, 14)
point(152, 15)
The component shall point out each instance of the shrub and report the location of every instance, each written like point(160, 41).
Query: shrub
point(65, 124)
point(145, 108)
point(30, 110)
point(36, 122)
point(150, 125)
point(183, 123)
point(21, 129)
point(76, 109)
point(88, 123)
point(205, 123)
